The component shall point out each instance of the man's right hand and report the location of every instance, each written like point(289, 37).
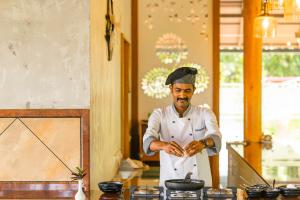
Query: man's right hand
point(169, 147)
point(173, 148)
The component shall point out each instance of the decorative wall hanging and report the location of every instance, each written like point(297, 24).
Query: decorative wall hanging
point(153, 83)
point(170, 49)
point(193, 17)
point(191, 11)
point(109, 28)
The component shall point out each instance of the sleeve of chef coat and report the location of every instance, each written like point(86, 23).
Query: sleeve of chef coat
point(152, 132)
point(212, 132)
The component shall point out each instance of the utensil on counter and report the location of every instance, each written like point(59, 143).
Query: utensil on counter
point(184, 184)
point(110, 186)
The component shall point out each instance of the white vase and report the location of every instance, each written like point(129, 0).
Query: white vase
point(80, 194)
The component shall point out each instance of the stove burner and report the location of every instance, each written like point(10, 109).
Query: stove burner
point(146, 192)
point(183, 195)
point(225, 193)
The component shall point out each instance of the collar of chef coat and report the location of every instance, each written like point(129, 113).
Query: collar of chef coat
point(185, 112)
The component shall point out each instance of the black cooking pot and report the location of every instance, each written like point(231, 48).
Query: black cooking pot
point(110, 186)
point(186, 184)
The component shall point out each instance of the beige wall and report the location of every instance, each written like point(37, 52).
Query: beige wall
point(200, 51)
point(105, 91)
point(44, 49)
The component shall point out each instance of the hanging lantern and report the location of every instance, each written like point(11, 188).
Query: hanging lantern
point(265, 25)
point(292, 10)
point(276, 4)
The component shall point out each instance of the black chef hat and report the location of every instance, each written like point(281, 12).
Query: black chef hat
point(182, 75)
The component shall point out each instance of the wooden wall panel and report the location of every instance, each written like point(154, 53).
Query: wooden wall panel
point(105, 77)
point(24, 127)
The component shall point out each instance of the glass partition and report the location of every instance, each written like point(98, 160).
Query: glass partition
point(279, 162)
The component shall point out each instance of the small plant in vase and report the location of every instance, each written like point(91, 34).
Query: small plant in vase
point(78, 175)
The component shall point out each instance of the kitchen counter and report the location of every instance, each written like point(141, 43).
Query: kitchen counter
point(150, 177)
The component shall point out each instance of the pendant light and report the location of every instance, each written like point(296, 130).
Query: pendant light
point(264, 24)
point(276, 4)
point(292, 10)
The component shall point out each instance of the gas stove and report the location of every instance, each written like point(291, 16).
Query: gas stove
point(146, 192)
point(157, 193)
point(183, 195)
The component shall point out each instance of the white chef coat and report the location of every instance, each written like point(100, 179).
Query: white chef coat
point(197, 123)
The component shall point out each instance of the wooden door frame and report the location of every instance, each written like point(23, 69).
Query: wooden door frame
point(125, 89)
point(134, 77)
point(214, 160)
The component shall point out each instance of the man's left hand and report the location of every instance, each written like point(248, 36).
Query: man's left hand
point(194, 147)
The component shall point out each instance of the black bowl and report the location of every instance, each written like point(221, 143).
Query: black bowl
point(271, 193)
point(289, 192)
point(254, 192)
point(110, 186)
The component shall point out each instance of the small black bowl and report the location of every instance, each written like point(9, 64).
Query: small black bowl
point(110, 186)
point(289, 192)
point(254, 192)
point(271, 193)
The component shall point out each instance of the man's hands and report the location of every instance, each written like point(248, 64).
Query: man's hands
point(169, 147)
point(190, 150)
point(194, 147)
point(173, 148)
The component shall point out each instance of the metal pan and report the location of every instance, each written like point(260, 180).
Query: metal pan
point(186, 184)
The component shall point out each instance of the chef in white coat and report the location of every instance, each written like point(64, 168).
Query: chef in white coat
point(184, 134)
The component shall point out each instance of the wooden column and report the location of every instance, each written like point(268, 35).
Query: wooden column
point(134, 78)
point(125, 98)
point(252, 83)
point(214, 160)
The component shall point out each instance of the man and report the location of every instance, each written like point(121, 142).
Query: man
point(185, 135)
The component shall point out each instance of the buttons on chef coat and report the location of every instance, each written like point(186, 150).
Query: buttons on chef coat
point(172, 136)
point(173, 122)
point(195, 165)
point(191, 134)
point(189, 118)
point(175, 169)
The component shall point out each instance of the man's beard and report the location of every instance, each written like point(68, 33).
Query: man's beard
point(185, 101)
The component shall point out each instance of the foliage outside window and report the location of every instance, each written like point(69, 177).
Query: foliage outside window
point(273, 65)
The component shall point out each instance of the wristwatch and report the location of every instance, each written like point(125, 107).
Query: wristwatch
point(204, 143)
